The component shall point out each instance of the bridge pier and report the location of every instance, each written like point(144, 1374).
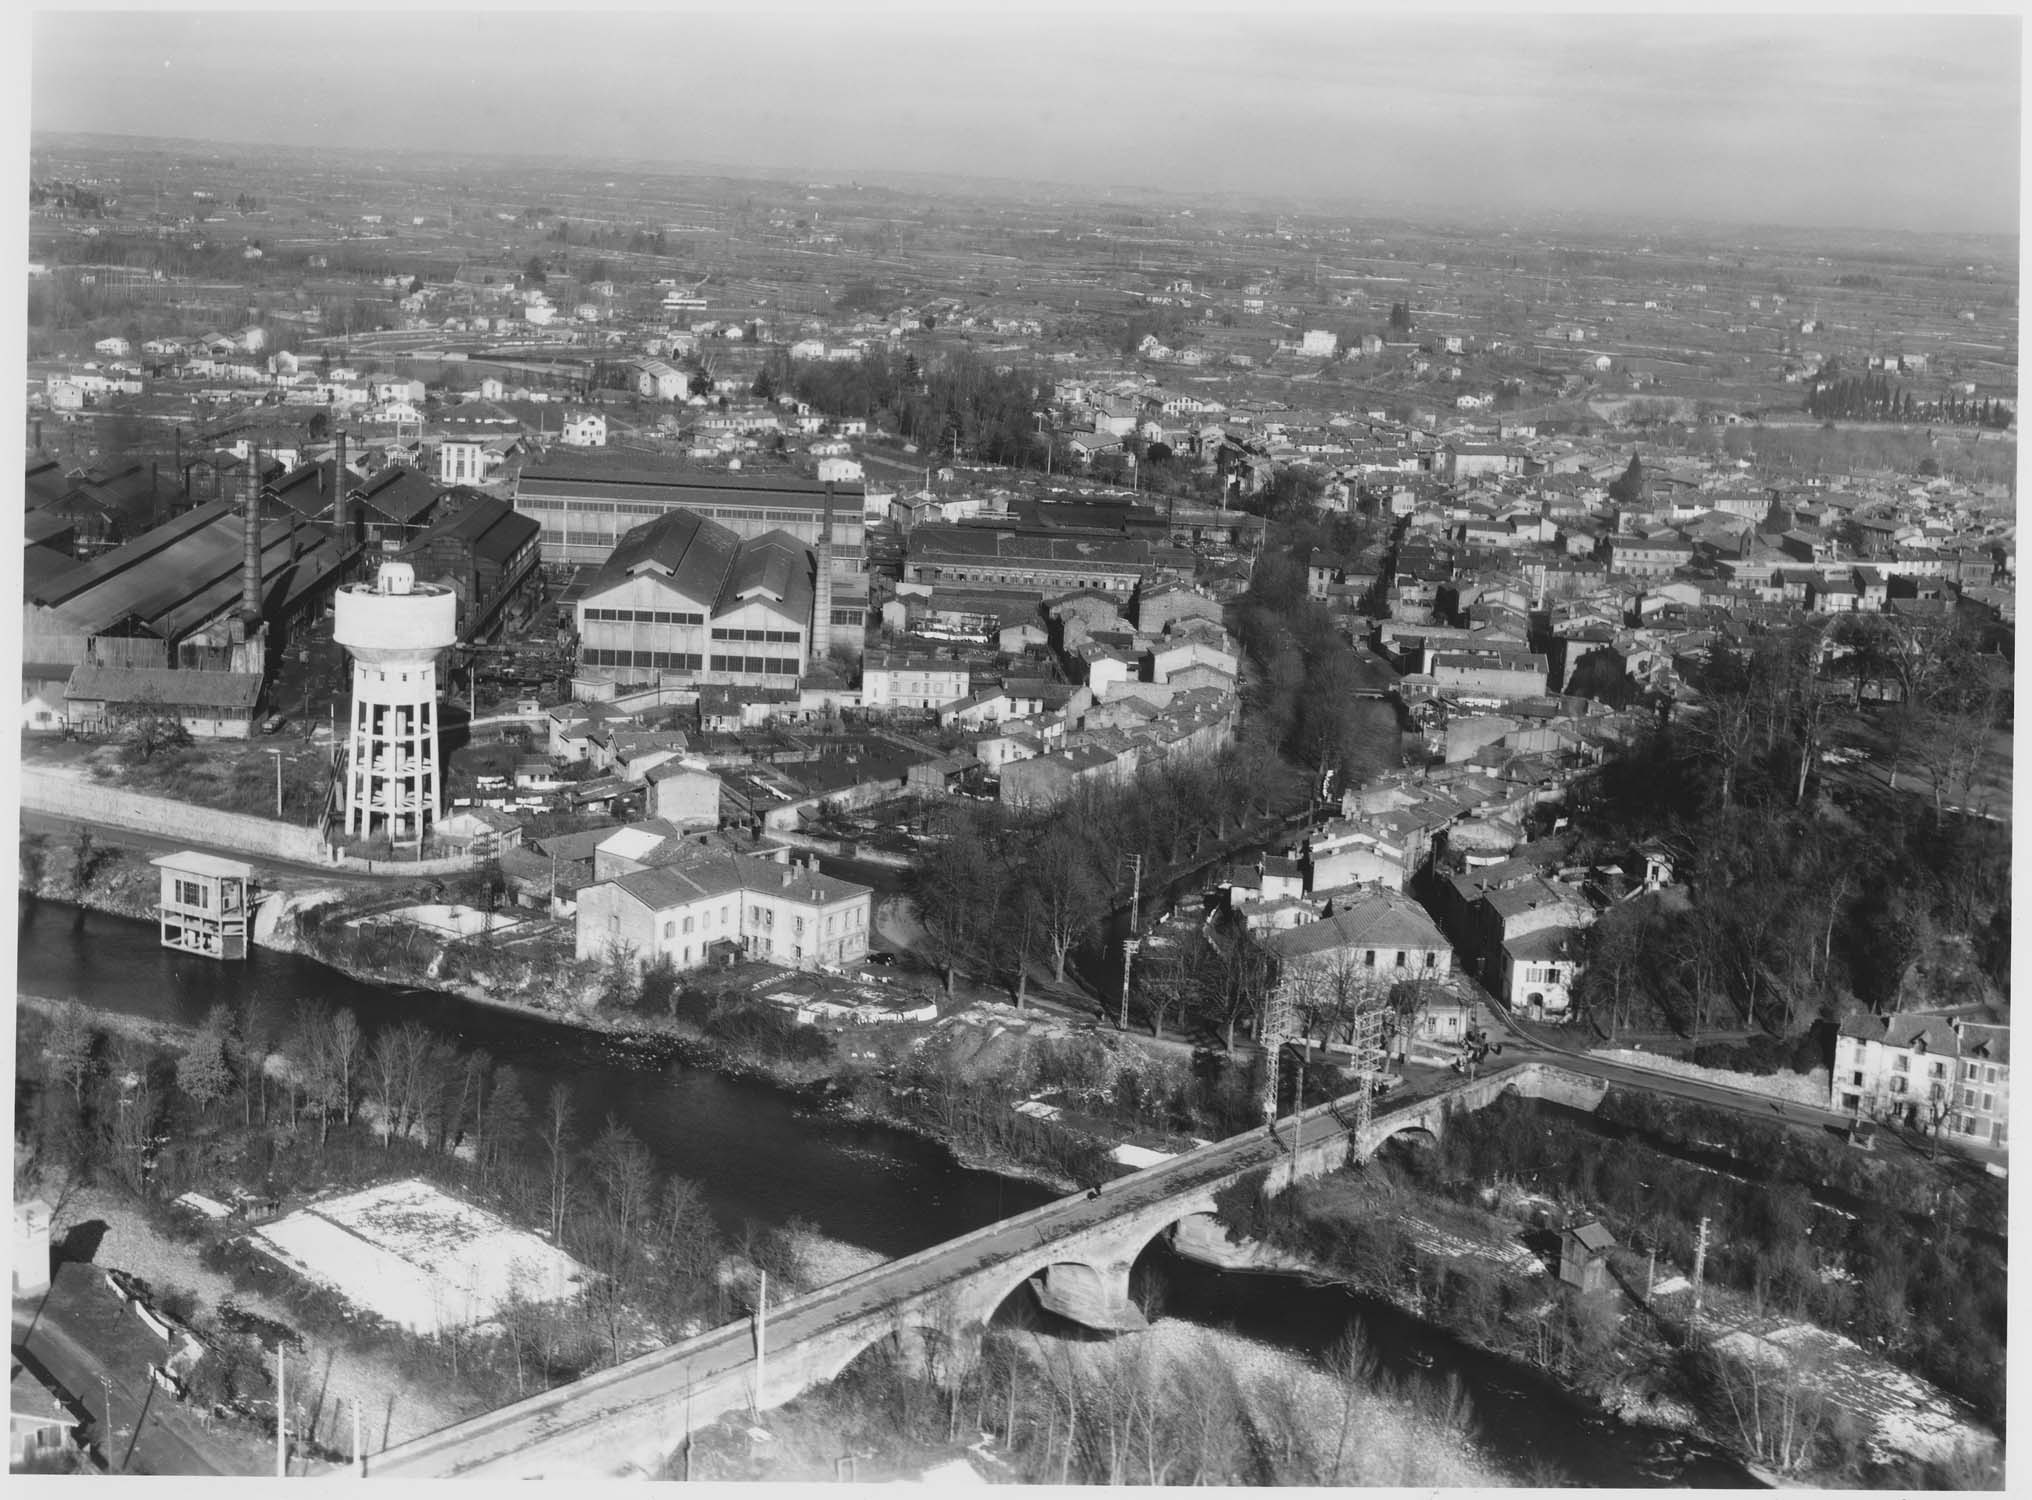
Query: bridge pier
point(1096, 1296)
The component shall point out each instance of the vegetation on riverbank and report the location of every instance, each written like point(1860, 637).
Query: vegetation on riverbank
point(1439, 1233)
point(283, 1107)
point(1175, 1405)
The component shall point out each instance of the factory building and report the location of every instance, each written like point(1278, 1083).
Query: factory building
point(198, 591)
point(586, 502)
point(684, 599)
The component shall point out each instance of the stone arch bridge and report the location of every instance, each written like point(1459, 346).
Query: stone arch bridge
point(1075, 1254)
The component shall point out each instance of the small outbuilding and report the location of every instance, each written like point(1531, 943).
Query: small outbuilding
point(1583, 1255)
point(205, 903)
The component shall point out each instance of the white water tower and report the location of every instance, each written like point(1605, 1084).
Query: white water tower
point(393, 628)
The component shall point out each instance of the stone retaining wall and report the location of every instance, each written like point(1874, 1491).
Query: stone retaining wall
point(64, 797)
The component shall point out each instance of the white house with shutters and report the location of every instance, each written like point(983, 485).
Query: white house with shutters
point(1934, 1071)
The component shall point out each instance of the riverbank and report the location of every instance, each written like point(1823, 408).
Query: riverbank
point(1178, 1403)
point(1488, 1274)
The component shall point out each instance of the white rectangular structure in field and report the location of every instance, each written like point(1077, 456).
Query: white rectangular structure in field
point(419, 1257)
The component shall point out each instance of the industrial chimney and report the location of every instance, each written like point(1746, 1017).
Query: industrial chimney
point(250, 572)
point(822, 588)
point(339, 485)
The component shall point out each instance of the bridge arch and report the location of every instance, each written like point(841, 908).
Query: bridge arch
point(1417, 1133)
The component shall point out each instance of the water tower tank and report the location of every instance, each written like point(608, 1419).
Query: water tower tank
point(393, 628)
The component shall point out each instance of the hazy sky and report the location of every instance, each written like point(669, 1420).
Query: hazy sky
point(1883, 121)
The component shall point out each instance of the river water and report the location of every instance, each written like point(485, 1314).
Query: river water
point(758, 1156)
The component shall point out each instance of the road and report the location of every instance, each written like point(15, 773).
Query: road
point(1525, 1046)
point(171, 1439)
point(150, 845)
point(653, 1381)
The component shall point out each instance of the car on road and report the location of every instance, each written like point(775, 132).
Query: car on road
point(882, 957)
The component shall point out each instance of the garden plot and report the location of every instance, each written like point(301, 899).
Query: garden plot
point(419, 1257)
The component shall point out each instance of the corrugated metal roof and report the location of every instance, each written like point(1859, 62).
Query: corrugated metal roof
point(694, 552)
point(775, 563)
point(185, 689)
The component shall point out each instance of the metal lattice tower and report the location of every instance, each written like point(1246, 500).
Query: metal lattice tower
point(1369, 1065)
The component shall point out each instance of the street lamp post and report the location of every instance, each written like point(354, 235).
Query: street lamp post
point(278, 784)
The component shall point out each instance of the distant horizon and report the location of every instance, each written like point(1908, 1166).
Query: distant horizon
point(1864, 123)
point(1234, 200)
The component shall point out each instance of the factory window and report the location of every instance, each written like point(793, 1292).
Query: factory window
point(191, 893)
point(1432, 960)
point(797, 926)
point(687, 925)
point(1369, 958)
point(670, 929)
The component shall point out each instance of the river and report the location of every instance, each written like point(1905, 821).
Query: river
point(758, 1156)
point(746, 1143)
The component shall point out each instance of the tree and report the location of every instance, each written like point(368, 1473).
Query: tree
point(686, 1236)
point(956, 886)
point(346, 1043)
point(505, 1120)
point(85, 860)
point(1068, 897)
point(68, 1047)
point(252, 1037)
point(533, 271)
point(202, 1073)
point(1629, 489)
point(400, 1063)
point(558, 1116)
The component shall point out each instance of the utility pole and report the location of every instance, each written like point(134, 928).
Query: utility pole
point(278, 784)
point(1297, 1120)
point(106, 1389)
point(1699, 1269)
point(1128, 960)
point(359, 1458)
point(761, 1336)
point(281, 1419)
point(1135, 892)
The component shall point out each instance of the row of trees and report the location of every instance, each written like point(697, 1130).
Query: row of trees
point(1873, 398)
point(1305, 699)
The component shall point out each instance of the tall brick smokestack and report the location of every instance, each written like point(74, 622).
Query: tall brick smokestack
point(340, 518)
point(822, 587)
point(250, 570)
